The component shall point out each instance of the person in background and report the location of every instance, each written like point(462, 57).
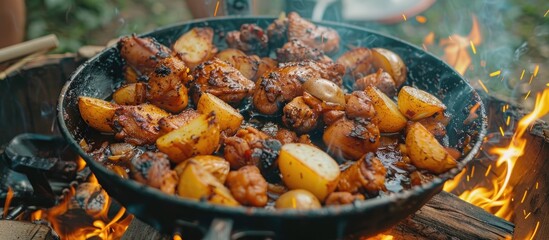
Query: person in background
point(12, 22)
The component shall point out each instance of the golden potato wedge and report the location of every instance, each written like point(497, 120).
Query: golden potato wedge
point(198, 137)
point(306, 167)
point(417, 104)
point(130, 75)
point(389, 117)
point(130, 94)
point(391, 63)
point(97, 113)
point(197, 183)
point(173, 122)
point(247, 65)
point(195, 46)
point(425, 152)
point(297, 199)
point(229, 118)
point(217, 166)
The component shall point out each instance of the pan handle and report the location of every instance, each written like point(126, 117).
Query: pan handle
point(220, 229)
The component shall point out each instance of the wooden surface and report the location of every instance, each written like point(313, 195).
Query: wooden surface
point(18, 230)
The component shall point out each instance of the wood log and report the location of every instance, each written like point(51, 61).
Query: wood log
point(12, 230)
point(445, 216)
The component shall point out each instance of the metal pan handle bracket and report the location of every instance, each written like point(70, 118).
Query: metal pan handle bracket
point(220, 229)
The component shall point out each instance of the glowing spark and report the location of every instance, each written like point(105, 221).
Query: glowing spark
point(488, 170)
point(547, 12)
point(501, 131)
point(482, 85)
point(404, 17)
point(473, 171)
point(535, 230)
point(522, 74)
point(467, 178)
point(177, 237)
point(496, 73)
point(524, 212)
point(508, 120)
point(531, 78)
point(473, 47)
point(537, 184)
point(536, 70)
point(527, 95)
point(216, 7)
point(421, 19)
point(503, 108)
point(524, 196)
point(527, 215)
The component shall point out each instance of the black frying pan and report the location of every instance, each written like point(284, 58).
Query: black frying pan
point(99, 76)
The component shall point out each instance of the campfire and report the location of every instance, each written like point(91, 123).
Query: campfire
point(84, 210)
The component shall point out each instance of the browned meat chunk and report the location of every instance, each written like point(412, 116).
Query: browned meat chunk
point(359, 106)
point(296, 51)
point(222, 80)
point(166, 86)
point(284, 83)
point(153, 169)
point(340, 198)
point(248, 186)
point(382, 80)
point(367, 174)
point(240, 149)
point(299, 116)
point(251, 39)
point(138, 125)
point(284, 136)
point(143, 54)
point(323, 38)
point(173, 122)
point(357, 62)
point(277, 30)
point(350, 139)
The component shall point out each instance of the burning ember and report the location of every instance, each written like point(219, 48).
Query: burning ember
point(86, 212)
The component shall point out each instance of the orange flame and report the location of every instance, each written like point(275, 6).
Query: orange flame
point(9, 197)
point(456, 47)
point(497, 198)
point(102, 227)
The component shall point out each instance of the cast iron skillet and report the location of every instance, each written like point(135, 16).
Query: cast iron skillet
point(101, 74)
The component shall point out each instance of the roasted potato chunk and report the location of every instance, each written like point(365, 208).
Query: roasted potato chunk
point(297, 199)
point(229, 118)
point(143, 54)
point(306, 167)
point(197, 183)
point(195, 46)
point(388, 115)
point(173, 122)
point(198, 137)
point(425, 151)
point(417, 104)
point(97, 113)
point(247, 65)
point(215, 165)
point(130, 94)
point(391, 63)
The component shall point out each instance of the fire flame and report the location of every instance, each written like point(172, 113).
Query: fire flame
point(103, 227)
point(456, 47)
point(9, 197)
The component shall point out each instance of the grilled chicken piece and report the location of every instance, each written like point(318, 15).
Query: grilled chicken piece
point(248, 146)
point(284, 83)
point(143, 54)
point(357, 62)
point(166, 86)
point(341, 198)
point(284, 136)
point(296, 51)
point(360, 106)
point(350, 139)
point(153, 169)
point(277, 31)
point(323, 38)
point(173, 122)
point(367, 174)
point(300, 116)
point(248, 186)
point(138, 125)
point(222, 80)
point(381, 80)
point(251, 39)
